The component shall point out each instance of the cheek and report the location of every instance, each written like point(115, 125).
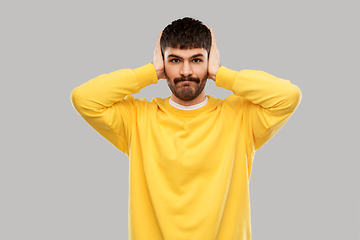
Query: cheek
point(171, 71)
point(201, 71)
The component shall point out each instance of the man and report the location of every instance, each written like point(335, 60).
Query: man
point(190, 154)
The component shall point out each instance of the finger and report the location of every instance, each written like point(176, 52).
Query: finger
point(212, 35)
point(157, 47)
point(160, 36)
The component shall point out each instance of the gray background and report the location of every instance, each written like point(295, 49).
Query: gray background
point(59, 179)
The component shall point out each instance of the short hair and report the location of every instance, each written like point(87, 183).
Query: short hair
point(186, 33)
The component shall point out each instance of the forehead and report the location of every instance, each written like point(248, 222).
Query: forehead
point(184, 53)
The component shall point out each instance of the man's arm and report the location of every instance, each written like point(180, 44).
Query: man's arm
point(273, 99)
point(104, 102)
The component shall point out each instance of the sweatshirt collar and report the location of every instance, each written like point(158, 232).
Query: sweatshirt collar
point(165, 103)
point(188, 108)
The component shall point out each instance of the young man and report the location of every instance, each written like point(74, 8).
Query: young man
point(190, 154)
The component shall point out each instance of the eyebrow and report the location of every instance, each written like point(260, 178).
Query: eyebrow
point(194, 56)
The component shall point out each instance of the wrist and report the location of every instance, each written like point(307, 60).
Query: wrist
point(212, 74)
point(226, 78)
point(146, 75)
point(159, 71)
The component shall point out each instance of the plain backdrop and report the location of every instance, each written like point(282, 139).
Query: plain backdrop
point(59, 179)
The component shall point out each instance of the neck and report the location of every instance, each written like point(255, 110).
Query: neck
point(196, 100)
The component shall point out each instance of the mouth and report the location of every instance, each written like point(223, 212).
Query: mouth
point(186, 80)
point(186, 83)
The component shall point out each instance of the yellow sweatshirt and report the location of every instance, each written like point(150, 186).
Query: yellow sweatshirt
point(189, 170)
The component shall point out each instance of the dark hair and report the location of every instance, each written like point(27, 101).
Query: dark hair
point(186, 33)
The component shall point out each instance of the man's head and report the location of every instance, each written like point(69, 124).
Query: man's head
point(185, 46)
point(186, 33)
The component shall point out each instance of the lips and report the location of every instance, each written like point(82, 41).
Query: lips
point(186, 80)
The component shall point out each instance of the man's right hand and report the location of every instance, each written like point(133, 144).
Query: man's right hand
point(158, 60)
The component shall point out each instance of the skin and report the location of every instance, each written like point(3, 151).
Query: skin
point(187, 71)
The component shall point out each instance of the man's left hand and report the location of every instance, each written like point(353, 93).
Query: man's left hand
point(214, 58)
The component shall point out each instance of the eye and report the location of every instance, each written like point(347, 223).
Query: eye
point(174, 60)
point(196, 60)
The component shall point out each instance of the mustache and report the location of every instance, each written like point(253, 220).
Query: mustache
point(182, 79)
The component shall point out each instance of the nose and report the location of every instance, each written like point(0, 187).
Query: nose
point(186, 69)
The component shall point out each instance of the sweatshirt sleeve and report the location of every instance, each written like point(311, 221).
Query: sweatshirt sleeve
point(273, 99)
point(105, 102)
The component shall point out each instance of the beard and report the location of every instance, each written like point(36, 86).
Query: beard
point(186, 91)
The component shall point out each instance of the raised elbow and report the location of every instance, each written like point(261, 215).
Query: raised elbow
point(295, 97)
point(75, 98)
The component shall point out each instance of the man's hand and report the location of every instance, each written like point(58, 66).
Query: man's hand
point(214, 58)
point(158, 60)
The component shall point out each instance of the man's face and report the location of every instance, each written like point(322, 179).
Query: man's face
point(186, 71)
